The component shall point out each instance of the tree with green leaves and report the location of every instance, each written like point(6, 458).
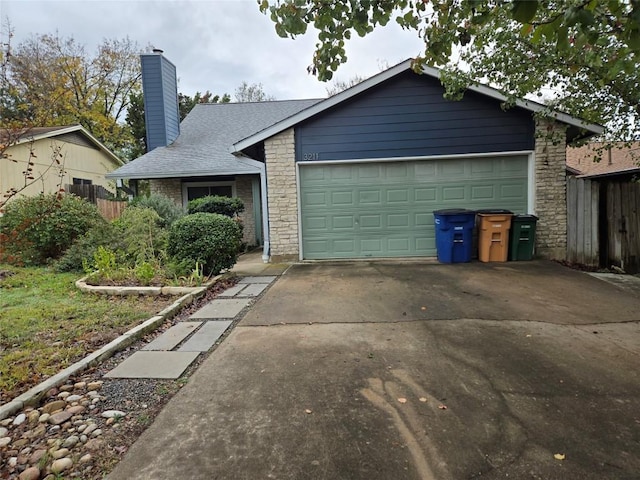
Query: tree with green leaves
point(186, 103)
point(135, 115)
point(53, 81)
point(585, 52)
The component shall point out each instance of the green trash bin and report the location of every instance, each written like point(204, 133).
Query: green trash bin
point(522, 237)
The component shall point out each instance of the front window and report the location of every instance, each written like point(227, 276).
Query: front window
point(193, 190)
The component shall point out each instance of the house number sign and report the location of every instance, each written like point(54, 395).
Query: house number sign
point(311, 156)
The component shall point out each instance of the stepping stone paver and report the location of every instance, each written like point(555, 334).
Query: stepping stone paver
point(154, 365)
point(172, 337)
point(223, 308)
point(203, 339)
point(263, 279)
point(233, 291)
point(252, 290)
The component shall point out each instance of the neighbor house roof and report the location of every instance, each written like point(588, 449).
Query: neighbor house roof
point(202, 148)
point(577, 126)
point(38, 133)
point(594, 160)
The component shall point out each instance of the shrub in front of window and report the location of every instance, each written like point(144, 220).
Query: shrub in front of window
point(166, 208)
point(211, 239)
point(227, 206)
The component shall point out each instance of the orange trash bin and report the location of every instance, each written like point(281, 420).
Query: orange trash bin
point(493, 235)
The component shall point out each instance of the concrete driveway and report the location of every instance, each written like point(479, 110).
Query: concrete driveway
point(413, 371)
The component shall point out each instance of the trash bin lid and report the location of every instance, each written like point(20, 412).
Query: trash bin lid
point(453, 211)
point(494, 211)
point(524, 217)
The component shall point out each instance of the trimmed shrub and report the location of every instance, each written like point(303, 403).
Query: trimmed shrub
point(211, 239)
point(166, 208)
point(227, 206)
point(37, 229)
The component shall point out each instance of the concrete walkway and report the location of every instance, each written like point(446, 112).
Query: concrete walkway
point(169, 355)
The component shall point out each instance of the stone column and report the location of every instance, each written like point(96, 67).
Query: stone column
point(551, 189)
point(282, 195)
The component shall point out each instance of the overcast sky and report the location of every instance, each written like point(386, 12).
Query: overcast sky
point(215, 45)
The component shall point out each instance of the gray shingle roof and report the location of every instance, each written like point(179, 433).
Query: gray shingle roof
point(206, 137)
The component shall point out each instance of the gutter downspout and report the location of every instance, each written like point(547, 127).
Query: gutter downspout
point(266, 248)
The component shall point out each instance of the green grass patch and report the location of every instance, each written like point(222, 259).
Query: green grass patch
point(46, 324)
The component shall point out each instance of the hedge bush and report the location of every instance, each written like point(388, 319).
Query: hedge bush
point(36, 229)
point(166, 208)
point(211, 239)
point(136, 237)
point(84, 248)
point(227, 206)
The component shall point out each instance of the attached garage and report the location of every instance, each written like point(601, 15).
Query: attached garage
point(385, 209)
point(359, 174)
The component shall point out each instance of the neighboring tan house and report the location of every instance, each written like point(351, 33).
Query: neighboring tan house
point(82, 160)
point(359, 174)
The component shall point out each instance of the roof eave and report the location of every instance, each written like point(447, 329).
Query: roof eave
point(71, 129)
point(164, 175)
point(609, 174)
point(491, 92)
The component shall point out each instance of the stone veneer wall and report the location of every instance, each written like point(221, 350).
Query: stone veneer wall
point(172, 188)
point(551, 190)
point(283, 194)
point(169, 187)
point(244, 193)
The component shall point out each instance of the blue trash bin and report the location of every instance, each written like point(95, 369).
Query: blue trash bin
point(454, 234)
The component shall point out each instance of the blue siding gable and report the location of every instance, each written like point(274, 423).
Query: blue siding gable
point(159, 84)
point(407, 116)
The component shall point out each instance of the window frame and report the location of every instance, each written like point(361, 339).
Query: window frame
point(186, 185)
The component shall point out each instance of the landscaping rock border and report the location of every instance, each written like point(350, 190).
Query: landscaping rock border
point(122, 290)
point(34, 395)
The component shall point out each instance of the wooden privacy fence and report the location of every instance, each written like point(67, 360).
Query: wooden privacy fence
point(603, 223)
point(99, 196)
point(583, 198)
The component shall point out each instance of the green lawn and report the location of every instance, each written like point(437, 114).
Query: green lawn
point(46, 324)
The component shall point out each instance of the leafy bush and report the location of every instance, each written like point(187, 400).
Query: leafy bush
point(210, 239)
point(142, 235)
point(84, 248)
point(166, 208)
point(36, 229)
point(136, 237)
point(227, 206)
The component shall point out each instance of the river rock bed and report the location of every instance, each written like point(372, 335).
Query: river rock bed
point(81, 429)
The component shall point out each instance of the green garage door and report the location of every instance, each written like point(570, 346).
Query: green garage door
point(385, 209)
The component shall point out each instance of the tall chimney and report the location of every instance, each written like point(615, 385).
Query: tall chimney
point(160, 92)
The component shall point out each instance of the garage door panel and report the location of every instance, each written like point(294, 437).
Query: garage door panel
point(386, 209)
point(452, 167)
point(397, 195)
point(453, 193)
point(483, 192)
point(421, 194)
point(369, 197)
point(342, 198)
